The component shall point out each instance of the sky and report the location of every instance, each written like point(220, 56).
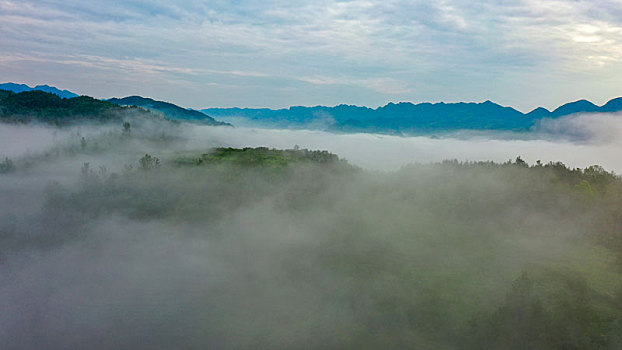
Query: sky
point(273, 53)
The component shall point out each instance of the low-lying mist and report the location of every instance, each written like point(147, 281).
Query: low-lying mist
point(104, 247)
point(577, 140)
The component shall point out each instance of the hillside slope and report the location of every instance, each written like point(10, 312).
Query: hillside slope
point(40, 106)
point(169, 110)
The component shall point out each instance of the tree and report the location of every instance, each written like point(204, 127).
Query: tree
point(148, 162)
point(520, 162)
point(126, 128)
point(6, 165)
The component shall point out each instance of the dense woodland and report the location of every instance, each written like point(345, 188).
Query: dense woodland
point(450, 255)
point(44, 107)
point(136, 235)
point(262, 157)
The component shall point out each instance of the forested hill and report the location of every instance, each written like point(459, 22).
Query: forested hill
point(40, 106)
point(408, 117)
point(169, 110)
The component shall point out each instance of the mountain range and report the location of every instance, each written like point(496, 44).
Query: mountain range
point(393, 118)
point(406, 117)
point(46, 88)
point(165, 109)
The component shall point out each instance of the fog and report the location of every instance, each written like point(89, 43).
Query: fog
point(578, 141)
point(115, 256)
point(19, 140)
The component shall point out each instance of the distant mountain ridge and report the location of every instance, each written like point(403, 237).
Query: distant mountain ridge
point(393, 118)
point(46, 88)
point(169, 110)
point(408, 117)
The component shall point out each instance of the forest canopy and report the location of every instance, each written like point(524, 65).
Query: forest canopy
point(143, 235)
point(39, 106)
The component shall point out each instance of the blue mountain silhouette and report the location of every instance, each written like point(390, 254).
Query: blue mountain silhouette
point(23, 87)
point(409, 117)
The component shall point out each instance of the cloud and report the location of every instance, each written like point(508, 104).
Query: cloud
point(381, 85)
point(437, 51)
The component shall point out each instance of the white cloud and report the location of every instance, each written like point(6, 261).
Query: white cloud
point(381, 85)
point(396, 49)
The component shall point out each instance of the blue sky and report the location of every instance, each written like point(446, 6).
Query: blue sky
point(280, 53)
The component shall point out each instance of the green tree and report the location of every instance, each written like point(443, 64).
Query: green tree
point(6, 165)
point(148, 162)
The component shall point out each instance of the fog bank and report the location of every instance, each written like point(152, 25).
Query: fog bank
point(578, 141)
point(121, 255)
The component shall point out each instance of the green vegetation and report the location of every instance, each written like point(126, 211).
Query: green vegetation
point(148, 162)
point(591, 190)
point(261, 157)
point(39, 106)
point(4, 94)
point(168, 110)
point(265, 248)
point(6, 165)
point(420, 256)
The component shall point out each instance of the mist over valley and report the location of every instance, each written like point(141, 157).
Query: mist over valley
point(126, 229)
point(330, 174)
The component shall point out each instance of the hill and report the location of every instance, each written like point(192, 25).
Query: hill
point(168, 110)
point(46, 88)
point(406, 117)
point(263, 157)
point(581, 106)
point(40, 106)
